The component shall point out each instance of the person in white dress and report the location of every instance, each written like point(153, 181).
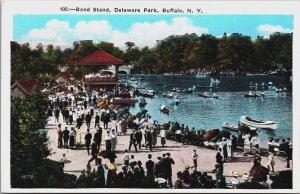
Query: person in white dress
point(113, 140)
point(114, 125)
point(162, 135)
point(229, 148)
point(246, 138)
point(119, 127)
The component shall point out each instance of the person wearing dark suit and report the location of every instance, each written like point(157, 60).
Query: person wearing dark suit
point(139, 137)
point(219, 158)
point(168, 167)
point(132, 140)
point(87, 139)
point(150, 170)
point(66, 136)
point(94, 153)
point(149, 139)
point(97, 138)
point(97, 120)
point(88, 119)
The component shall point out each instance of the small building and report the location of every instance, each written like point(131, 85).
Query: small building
point(64, 77)
point(24, 87)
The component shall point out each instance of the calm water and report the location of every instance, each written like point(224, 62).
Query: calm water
point(207, 114)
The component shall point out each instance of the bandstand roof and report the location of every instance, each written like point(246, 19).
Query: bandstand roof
point(100, 58)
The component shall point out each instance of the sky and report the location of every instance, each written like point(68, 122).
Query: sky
point(143, 30)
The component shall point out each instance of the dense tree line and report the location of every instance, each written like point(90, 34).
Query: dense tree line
point(235, 52)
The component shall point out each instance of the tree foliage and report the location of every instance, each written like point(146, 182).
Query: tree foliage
point(176, 53)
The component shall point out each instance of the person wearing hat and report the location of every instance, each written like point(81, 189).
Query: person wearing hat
point(100, 173)
point(132, 140)
point(113, 140)
point(150, 170)
point(59, 136)
point(123, 177)
point(65, 135)
point(87, 138)
point(186, 174)
point(94, 153)
point(168, 161)
point(158, 168)
point(97, 120)
point(179, 181)
point(108, 140)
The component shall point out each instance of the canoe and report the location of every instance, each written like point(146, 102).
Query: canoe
point(207, 95)
point(281, 90)
point(169, 95)
point(229, 126)
point(252, 95)
point(258, 123)
point(101, 102)
point(124, 101)
point(200, 86)
point(234, 127)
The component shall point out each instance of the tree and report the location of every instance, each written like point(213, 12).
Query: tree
point(129, 45)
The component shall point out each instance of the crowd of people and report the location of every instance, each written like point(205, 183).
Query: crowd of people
point(144, 134)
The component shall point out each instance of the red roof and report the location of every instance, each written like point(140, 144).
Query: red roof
point(28, 84)
point(67, 75)
point(99, 57)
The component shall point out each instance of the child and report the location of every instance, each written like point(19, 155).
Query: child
point(271, 161)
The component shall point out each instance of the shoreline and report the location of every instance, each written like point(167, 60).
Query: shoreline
point(182, 154)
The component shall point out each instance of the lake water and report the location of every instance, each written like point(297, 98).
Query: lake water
point(203, 113)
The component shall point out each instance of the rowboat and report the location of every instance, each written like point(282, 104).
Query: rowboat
point(234, 127)
point(164, 109)
point(101, 102)
point(252, 95)
point(229, 126)
point(123, 100)
point(168, 95)
point(281, 90)
point(161, 84)
point(201, 86)
point(177, 101)
point(258, 123)
point(142, 102)
point(207, 95)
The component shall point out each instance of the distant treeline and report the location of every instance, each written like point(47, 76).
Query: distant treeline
point(177, 53)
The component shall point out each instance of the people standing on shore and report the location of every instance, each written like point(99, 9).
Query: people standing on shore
point(150, 170)
point(97, 120)
point(219, 158)
point(88, 138)
point(229, 148)
point(162, 135)
point(132, 140)
point(139, 137)
point(88, 119)
point(66, 137)
point(246, 138)
point(168, 161)
point(94, 153)
point(195, 159)
point(126, 158)
point(56, 114)
point(114, 140)
point(72, 135)
point(97, 138)
point(79, 121)
point(108, 140)
point(59, 136)
point(271, 161)
point(78, 136)
point(149, 139)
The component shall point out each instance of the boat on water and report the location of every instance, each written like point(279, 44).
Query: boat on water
point(142, 102)
point(253, 94)
point(118, 100)
point(133, 79)
point(145, 93)
point(228, 125)
point(278, 90)
point(164, 109)
point(160, 84)
point(168, 95)
point(246, 120)
point(201, 86)
point(207, 95)
point(177, 101)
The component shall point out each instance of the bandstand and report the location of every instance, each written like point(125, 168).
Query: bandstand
point(99, 59)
